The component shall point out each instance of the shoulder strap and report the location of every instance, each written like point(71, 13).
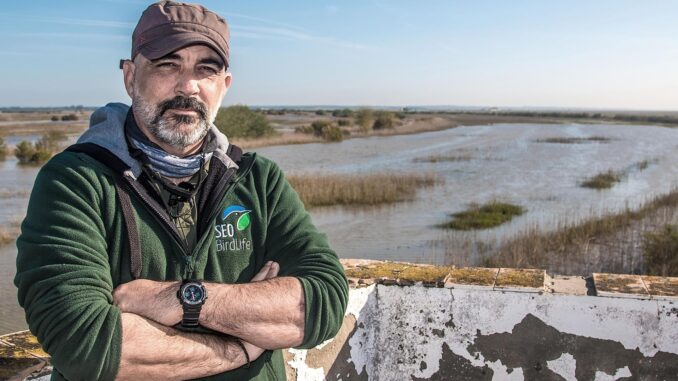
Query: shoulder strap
point(108, 159)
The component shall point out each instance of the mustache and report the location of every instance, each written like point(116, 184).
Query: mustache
point(184, 103)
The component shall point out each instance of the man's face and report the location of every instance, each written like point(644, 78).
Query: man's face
point(176, 97)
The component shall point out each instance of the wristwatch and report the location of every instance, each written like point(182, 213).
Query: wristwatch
point(192, 295)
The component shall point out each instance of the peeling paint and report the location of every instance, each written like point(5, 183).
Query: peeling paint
point(623, 372)
point(565, 366)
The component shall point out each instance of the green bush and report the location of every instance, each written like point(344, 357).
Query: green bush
point(304, 130)
point(344, 122)
point(54, 118)
point(3, 149)
point(364, 119)
point(332, 134)
point(660, 251)
point(241, 121)
point(383, 120)
point(38, 153)
point(343, 113)
point(69, 117)
point(320, 112)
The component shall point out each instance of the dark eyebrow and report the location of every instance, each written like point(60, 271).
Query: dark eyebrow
point(213, 61)
point(171, 56)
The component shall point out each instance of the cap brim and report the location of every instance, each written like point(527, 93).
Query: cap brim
point(161, 47)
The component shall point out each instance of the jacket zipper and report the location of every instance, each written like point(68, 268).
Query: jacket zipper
point(168, 225)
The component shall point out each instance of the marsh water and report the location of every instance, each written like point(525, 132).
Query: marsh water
point(502, 162)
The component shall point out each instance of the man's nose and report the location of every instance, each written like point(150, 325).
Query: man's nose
point(187, 84)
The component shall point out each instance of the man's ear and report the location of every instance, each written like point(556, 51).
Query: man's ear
point(128, 69)
point(227, 80)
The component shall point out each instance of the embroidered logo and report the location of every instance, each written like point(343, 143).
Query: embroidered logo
point(230, 235)
point(241, 213)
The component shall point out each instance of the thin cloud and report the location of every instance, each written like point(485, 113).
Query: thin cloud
point(287, 34)
point(103, 36)
point(229, 15)
point(74, 21)
point(283, 31)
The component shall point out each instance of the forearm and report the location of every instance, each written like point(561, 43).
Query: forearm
point(269, 314)
point(151, 351)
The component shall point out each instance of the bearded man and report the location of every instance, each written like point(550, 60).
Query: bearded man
point(154, 249)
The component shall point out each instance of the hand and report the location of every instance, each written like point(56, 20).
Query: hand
point(270, 270)
point(153, 300)
point(252, 350)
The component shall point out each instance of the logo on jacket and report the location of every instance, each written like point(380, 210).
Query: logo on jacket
point(230, 234)
point(242, 215)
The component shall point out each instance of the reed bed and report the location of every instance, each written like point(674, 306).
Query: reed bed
point(574, 140)
point(443, 158)
point(276, 140)
point(484, 216)
point(363, 189)
point(536, 248)
point(604, 180)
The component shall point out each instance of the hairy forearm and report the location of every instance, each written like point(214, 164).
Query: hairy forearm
point(269, 314)
point(151, 351)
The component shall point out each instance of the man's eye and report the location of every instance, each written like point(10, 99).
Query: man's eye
point(166, 65)
point(209, 70)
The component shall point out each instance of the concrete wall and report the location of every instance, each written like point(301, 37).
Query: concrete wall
point(414, 322)
point(415, 333)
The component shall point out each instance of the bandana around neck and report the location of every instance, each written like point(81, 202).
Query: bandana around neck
point(162, 162)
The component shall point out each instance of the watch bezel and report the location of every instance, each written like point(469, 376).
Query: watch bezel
point(192, 284)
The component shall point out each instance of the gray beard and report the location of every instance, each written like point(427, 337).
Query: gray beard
point(167, 129)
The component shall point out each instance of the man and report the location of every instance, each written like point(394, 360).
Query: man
point(153, 249)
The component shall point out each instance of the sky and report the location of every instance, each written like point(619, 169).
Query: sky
point(613, 54)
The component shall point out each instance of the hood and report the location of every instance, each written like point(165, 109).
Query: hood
point(107, 130)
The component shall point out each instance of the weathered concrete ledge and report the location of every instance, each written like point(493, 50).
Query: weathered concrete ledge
point(417, 322)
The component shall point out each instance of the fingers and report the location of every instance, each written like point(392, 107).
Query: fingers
point(273, 270)
point(270, 270)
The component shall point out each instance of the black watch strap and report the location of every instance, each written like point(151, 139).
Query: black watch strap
point(191, 316)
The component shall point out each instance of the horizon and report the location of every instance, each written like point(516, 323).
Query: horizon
point(610, 55)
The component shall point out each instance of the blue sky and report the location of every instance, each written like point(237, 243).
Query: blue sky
point(590, 54)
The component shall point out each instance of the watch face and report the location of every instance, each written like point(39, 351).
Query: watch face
point(193, 294)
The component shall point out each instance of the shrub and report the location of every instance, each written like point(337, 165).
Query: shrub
point(69, 117)
point(318, 126)
point(304, 130)
point(326, 130)
point(3, 149)
point(241, 121)
point(343, 113)
point(54, 118)
point(332, 134)
point(343, 122)
point(320, 112)
point(364, 119)
point(660, 251)
point(24, 152)
point(384, 120)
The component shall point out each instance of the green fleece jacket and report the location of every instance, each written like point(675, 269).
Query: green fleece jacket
point(73, 252)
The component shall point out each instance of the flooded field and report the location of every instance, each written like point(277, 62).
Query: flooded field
point(506, 162)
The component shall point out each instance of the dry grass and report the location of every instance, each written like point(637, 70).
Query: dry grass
point(536, 248)
point(365, 189)
point(443, 158)
point(603, 180)
point(660, 251)
point(276, 140)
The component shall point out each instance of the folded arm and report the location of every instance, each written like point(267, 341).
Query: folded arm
point(268, 312)
point(183, 355)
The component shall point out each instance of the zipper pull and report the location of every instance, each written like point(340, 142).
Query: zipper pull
point(190, 266)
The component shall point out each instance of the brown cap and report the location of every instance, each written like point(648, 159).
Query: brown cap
point(168, 26)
